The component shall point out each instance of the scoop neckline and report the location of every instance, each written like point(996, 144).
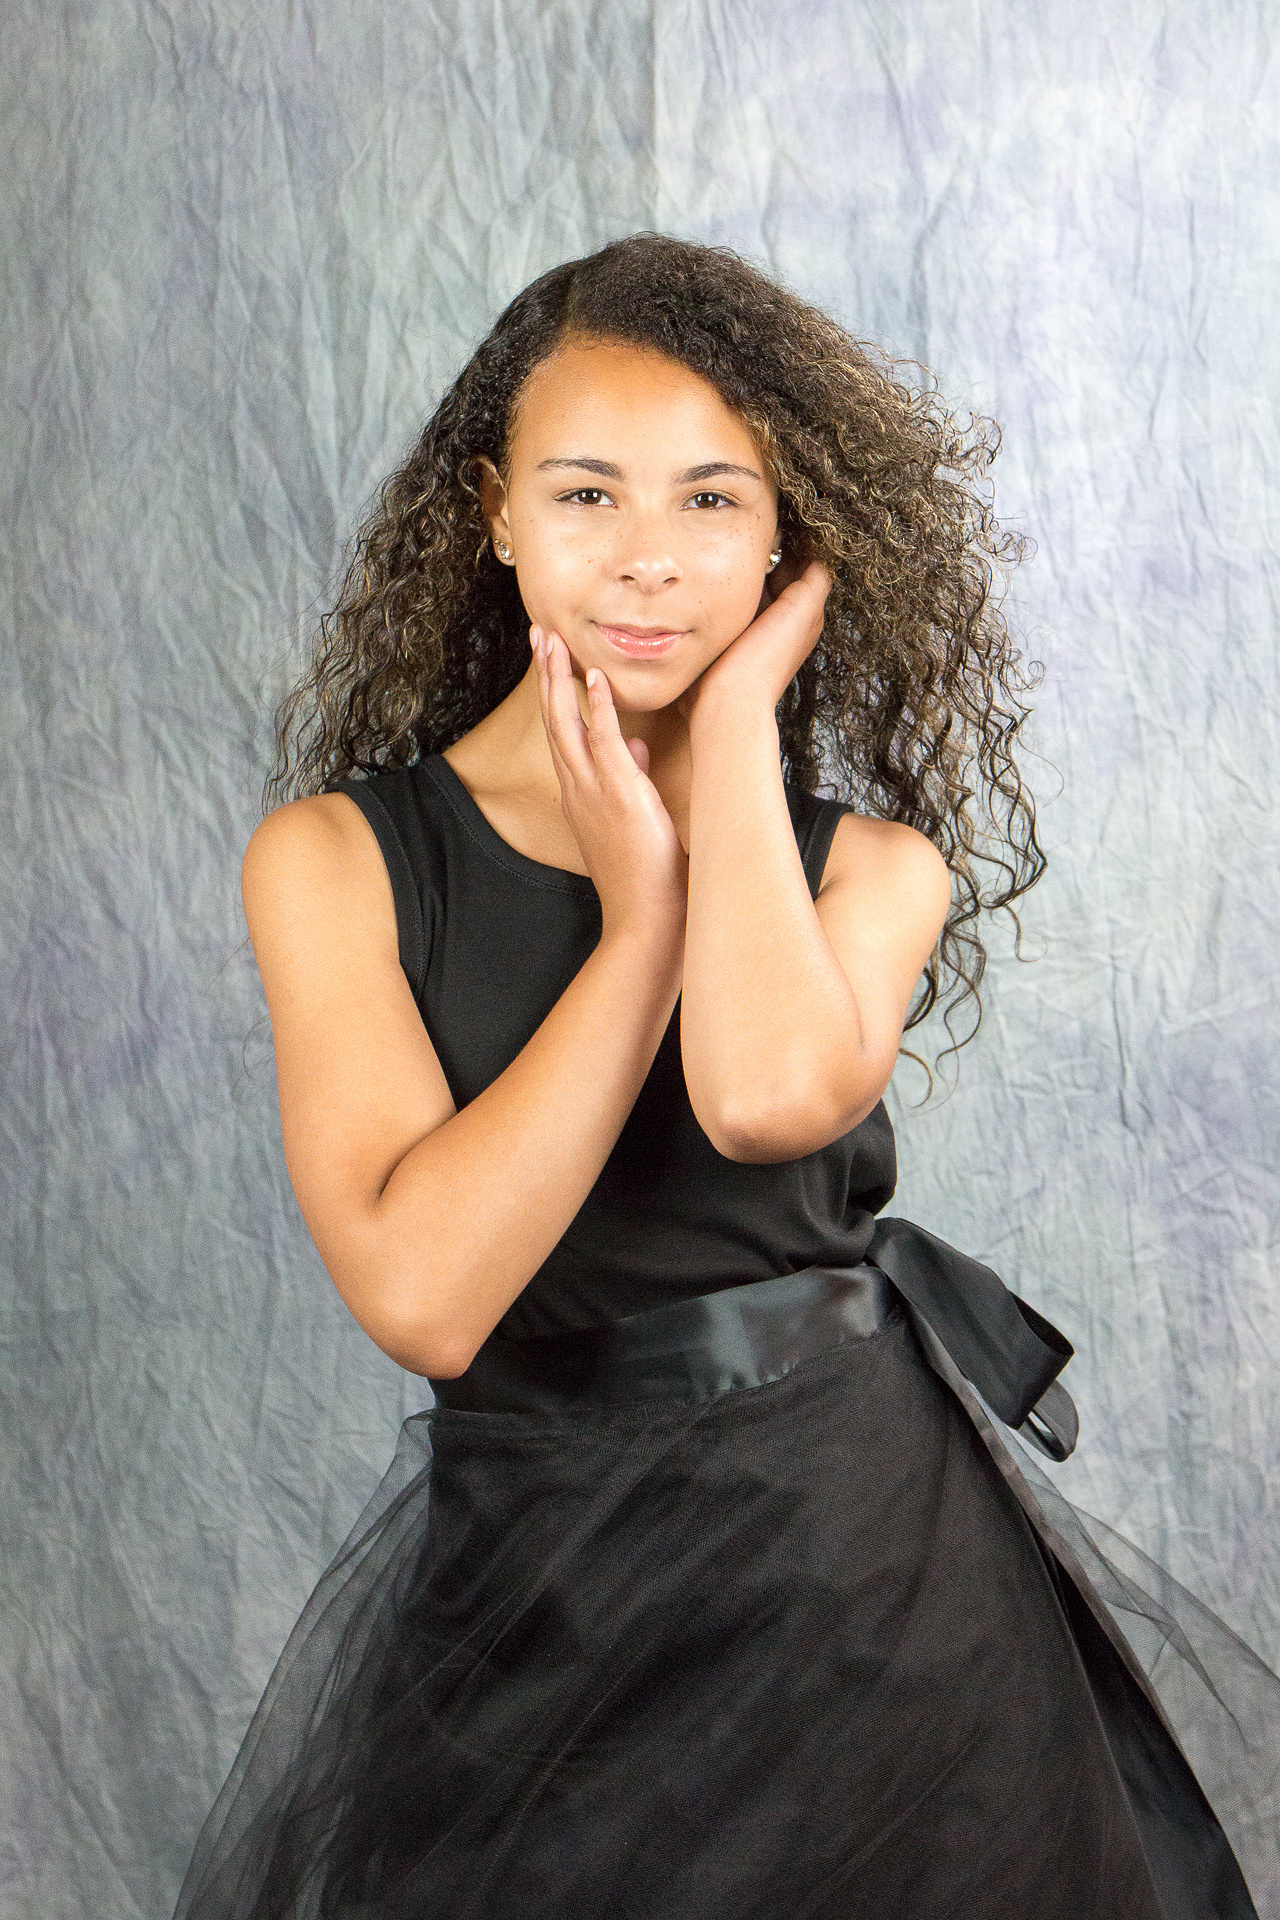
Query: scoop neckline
point(481, 829)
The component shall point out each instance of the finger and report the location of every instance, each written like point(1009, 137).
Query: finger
point(639, 753)
point(540, 651)
point(814, 582)
point(604, 715)
point(817, 579)
point(538, 641)
point(605, 737)
point(563, 715)
point(802, 601)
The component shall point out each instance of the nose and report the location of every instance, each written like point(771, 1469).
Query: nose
point(648, 561)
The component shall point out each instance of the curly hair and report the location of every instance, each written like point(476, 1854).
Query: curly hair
point(909, 705)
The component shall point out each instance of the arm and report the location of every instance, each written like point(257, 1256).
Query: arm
point(792, 1009)
point(430, 1220)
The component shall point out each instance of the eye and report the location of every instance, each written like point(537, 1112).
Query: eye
point(584, 496)
point(709, 502)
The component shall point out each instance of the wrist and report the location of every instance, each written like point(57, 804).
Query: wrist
point(731, 712)
point(648, 954)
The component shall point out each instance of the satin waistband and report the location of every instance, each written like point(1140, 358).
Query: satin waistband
point(967, 1320)
point(684, 1350)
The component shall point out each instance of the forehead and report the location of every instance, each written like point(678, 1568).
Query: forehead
point(618, 392)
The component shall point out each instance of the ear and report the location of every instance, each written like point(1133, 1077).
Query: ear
point(789, 568)
point(493, 500)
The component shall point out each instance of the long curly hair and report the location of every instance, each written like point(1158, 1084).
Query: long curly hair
point(909, 705)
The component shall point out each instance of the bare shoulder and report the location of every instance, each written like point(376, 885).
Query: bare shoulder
point(358, 1078)
point(887, 855)
point(315, 861)
point(322, 828)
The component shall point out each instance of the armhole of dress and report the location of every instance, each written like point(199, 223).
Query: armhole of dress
point(818, 840)
point(409, 929)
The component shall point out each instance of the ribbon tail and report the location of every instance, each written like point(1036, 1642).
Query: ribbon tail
point(1010, 1353)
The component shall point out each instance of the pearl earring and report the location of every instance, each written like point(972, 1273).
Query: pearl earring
point(503, 550)
point(774, 558)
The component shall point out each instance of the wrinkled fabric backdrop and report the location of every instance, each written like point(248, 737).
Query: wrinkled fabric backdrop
point(245, 248)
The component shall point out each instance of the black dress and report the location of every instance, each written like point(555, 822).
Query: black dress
point(709, 1592)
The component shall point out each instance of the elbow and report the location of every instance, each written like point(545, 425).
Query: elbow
point(433, 1346)
point(446, 1362)
point(762, 1132)
point(767, 1131)
point(417, 1309)
point(432, 1354)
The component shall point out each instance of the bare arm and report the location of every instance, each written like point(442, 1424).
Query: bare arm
point(792, 1009)
point(430, 1220)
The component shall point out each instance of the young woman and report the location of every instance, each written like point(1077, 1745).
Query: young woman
point(705, 1590)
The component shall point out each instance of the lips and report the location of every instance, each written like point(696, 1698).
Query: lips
point(639, 643)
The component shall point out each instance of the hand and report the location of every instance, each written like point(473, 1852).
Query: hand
point(627, 837)
point(764, 659)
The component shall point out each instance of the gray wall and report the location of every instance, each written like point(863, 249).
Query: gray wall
point(245, 244)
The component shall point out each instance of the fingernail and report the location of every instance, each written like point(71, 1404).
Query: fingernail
point(535, 638)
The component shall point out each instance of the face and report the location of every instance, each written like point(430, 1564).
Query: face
point(640, 516)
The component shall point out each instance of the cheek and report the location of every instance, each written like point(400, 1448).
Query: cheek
point(739, 545)
point(553, 573)
point(729, 580)
point(556, 552)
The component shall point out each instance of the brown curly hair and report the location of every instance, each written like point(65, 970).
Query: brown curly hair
point(909, 705)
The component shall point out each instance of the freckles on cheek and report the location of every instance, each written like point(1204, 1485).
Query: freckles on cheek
point(567, 563)
point(735, 593)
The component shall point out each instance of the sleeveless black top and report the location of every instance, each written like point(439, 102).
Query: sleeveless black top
point(489, 940)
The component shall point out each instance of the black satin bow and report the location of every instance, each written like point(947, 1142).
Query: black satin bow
point(692, 1349)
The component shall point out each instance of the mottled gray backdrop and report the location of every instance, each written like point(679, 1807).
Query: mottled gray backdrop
point(245, 245)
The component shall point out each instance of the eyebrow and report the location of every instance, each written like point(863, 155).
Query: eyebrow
point(607, 470)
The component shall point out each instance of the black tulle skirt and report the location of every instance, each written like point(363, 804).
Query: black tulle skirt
point(788, 1648)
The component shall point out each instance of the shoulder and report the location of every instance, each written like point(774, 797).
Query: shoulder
point(891, 860)
point(316, 856)
point(323, 828)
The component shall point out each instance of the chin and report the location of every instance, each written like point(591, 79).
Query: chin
point(647, 684)
point(645, 698)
